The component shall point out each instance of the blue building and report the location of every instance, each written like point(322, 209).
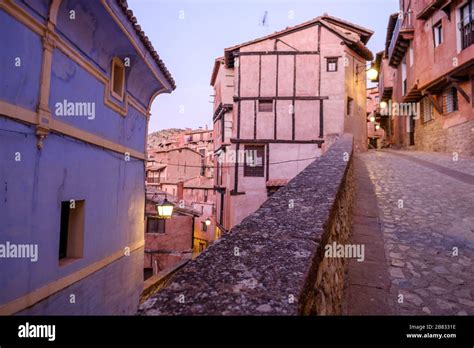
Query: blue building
point(77, 79)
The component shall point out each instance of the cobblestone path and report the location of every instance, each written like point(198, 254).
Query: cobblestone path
point(427, 220)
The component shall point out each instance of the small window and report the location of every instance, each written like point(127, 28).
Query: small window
point(254, 161)
point(450, 100)
point(426, 110)
point(71, 237)
point(118, 79)
point(204, 226)
point(147, 273)
point(438, 34)
point(350, 103)
point(331, 64)
point(202, 246)
point(155, 225)
point(265, 105)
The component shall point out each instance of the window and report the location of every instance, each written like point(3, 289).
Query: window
point(438, 34)
point(254, 162)
point(71, 235)
point(155, 225)
point(206, 193)
point(202, 152)
point(147, 273)
point(118, 79)
point(331, 64)
point(204, 226)
point(426, 110)
point(265, 105)
point(466, 24)
point(450, 100)
point(202, 246)
point(350, 101)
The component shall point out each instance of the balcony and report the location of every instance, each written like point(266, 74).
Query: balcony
point(385, 83)
point(401, 36)
point(151, 180)
point(434, 6)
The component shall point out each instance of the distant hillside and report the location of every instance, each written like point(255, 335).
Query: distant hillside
point(162, 136)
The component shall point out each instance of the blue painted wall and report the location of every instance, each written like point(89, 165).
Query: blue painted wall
point(32, 189)
point(19, 85)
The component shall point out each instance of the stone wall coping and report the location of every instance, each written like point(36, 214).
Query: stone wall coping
point(264, 262)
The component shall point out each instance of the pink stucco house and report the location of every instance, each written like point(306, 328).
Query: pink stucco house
point(375, 130)
point(430, 49)
point(280, 101)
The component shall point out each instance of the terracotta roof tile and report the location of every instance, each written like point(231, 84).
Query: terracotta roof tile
point(145, 40)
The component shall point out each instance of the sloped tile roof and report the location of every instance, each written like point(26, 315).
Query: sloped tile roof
point(146, 42)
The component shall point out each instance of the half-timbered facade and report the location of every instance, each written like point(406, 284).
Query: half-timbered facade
point(279, 103)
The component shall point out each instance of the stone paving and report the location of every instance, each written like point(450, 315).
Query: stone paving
point(463, 164)
point(427, 220)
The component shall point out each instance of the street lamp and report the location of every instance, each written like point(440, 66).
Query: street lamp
point(383, 104)
point(372, 119)
point(372, 74)
point(165, 209)
point(208, 222)
point(377, 127)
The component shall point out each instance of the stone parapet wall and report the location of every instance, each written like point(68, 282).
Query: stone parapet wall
point(272, 263)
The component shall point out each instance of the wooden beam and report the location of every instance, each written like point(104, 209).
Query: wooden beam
point(434, 102)
point(274, 141)
point(455, 84)
point(277, 53)
point(237, 98)
point(472, 90)
point(255, 119)
point(321, 119)
point(267, 175)
point(275, 129)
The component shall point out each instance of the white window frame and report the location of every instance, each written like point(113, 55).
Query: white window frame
point(438, 37)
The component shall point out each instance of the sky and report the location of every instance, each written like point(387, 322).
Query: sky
point(190, 34)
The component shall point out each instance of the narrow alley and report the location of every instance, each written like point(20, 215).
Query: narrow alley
point(425, 210)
